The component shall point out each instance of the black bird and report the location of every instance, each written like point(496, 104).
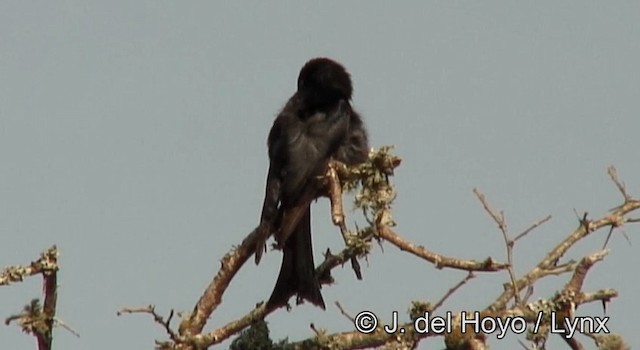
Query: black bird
point(316, 124)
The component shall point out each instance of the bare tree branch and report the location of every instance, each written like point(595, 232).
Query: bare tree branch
point(375, 199)
point(36, 319)
point(502, 225)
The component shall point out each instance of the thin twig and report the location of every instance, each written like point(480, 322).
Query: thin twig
point(313, 328)
point(67, 327)
point(502, 225)
point(606, 241)
point(532, 227)
point(151, 310)
point(613, 174)
point(452, 290)
point(344, 313)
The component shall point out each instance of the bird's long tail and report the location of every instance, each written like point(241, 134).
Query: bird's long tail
point(297, 272)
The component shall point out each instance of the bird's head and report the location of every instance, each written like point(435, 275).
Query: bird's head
point(324, 80)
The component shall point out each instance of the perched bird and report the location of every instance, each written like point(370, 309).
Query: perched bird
point(316, 124)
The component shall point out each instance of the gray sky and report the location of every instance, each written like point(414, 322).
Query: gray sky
point(133, 136)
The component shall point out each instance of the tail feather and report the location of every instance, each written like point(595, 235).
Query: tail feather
point(297, 272)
